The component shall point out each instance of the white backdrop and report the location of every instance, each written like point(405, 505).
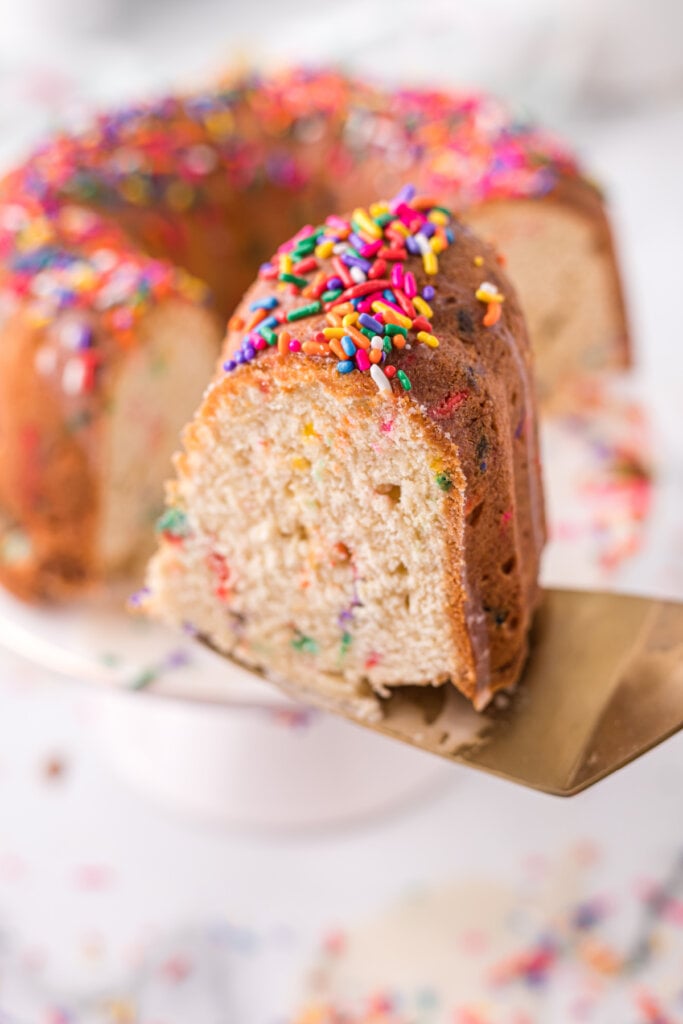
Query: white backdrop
point(104, 896)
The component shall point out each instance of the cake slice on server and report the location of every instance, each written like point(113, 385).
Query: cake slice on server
point(358, 500)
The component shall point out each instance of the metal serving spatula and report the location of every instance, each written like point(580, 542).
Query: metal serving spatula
point(603, 684)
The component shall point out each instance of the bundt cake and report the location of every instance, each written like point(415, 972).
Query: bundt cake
point(358, 504)
point(123, 245)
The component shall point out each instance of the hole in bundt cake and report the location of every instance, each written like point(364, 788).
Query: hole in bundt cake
point(509, 565)
point(465, 322)
point(296, 530)
point(475, 515)
point(392, 491)
point(363, 688)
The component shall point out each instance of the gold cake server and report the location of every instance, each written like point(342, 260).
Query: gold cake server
point(603, 684)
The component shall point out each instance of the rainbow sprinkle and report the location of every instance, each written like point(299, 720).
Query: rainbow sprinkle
point(67, 259)
point(488, 294)
point(341, 270)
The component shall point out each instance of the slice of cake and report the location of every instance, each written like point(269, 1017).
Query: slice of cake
point(358, 503)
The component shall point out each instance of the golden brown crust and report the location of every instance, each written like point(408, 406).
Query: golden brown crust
point(479, 390)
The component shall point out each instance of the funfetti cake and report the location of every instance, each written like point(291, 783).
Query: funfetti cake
point(358, 503)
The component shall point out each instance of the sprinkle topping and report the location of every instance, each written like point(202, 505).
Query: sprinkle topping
point(60, 246)
point(370, 311)
point(488, 294)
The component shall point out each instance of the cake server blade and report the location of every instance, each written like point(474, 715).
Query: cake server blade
point(603, 684)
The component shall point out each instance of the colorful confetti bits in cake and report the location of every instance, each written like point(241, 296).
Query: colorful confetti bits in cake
point(173, 525)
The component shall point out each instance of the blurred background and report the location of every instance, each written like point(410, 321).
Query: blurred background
point(563, 56)
point(471, 902)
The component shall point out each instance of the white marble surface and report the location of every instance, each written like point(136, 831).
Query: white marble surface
point(114, 909)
